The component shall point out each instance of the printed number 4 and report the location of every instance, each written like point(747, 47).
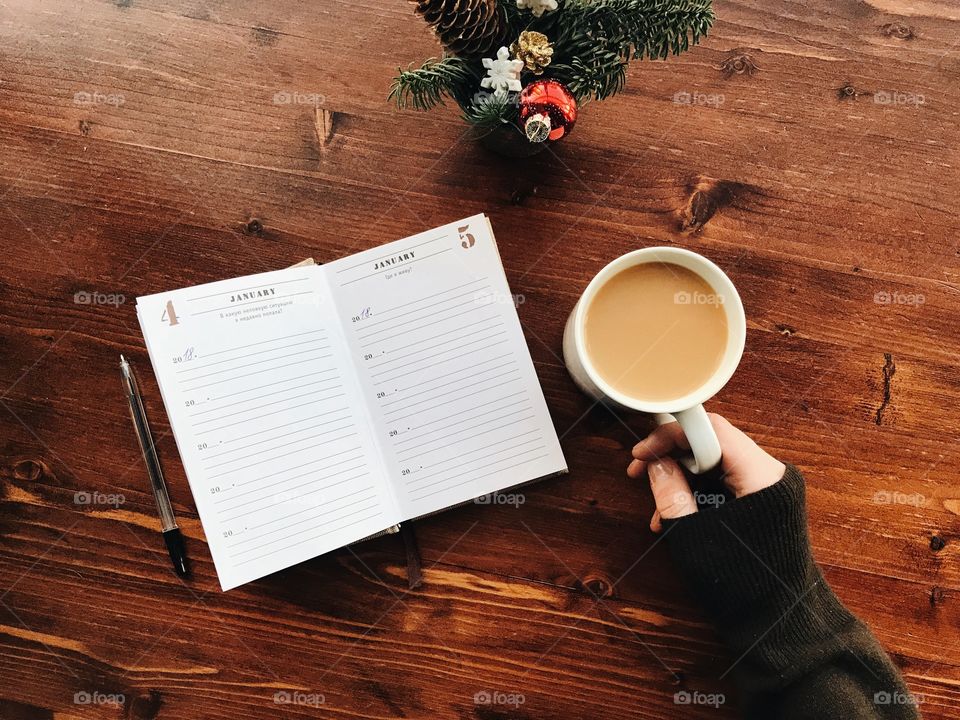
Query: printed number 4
point(169, 315)
point(467, 240)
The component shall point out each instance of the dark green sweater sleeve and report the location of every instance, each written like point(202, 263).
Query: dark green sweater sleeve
point(796, 651)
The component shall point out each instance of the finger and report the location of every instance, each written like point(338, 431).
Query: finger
point(655, 523)
point(671, 491)
point(747, 467)
point(661, 442)
point(635, 469)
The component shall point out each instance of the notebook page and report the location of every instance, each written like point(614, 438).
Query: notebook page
point(268, 418)
point(442, 359)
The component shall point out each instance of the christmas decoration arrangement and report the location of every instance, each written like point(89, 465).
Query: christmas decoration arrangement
point(519, 69)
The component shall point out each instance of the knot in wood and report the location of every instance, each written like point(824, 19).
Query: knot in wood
point(31, 470)
point(597, 585)
point(738, 62)
point(897, 30)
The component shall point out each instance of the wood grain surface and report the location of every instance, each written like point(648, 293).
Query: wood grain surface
point(811, 149)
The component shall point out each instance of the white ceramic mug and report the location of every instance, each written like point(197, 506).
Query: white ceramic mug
point(687, 410)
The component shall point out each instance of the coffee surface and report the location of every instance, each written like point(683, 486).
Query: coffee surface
point(656, 331)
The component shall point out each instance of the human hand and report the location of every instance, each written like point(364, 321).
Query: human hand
point(746, 467)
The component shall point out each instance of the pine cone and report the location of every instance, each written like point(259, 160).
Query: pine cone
point(534, 49)
point(468, 28)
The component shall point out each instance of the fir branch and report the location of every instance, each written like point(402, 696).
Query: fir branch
point(632, 28)
point(600, 73)
point(426, 86)
point(492, 110)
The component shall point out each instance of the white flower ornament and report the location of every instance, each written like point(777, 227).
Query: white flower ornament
point(502, 73)
point(537, 7)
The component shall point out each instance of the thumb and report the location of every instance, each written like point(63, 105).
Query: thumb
point(671, 491)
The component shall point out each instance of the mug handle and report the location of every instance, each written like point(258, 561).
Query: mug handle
point(704, 446)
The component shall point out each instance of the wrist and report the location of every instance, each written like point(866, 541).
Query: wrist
point(749, 563)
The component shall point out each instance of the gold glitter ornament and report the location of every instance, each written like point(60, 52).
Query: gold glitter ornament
point(534, 49)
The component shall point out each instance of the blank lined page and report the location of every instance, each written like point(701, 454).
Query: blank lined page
point(268, 418)
point(457, 405)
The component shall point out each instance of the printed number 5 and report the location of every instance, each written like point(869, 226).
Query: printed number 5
point(169, 315)
point(467, 240)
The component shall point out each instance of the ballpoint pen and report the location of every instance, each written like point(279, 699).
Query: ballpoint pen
point(171, 532)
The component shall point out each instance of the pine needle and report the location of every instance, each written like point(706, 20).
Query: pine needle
point(426, 86)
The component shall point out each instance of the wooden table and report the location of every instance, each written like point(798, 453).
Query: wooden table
point(149, 145)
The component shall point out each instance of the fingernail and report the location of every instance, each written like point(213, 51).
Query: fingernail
point(633, 467)
point(658, 471)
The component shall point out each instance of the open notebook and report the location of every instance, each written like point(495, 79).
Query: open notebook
point(319, 405)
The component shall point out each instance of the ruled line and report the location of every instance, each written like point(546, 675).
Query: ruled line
point(432, 312)
point(427, 297)
point(277, 447)
point(475, 469)
point(264, 342)
point(313, 472)
point(474, 479)
point(271, 459)
point(442, 352)
point(424, 325)
point(452, 382)
point(302, 465)
point(314, 537)
point(424, 367)
point(293, 499)
point(258, 352)
point(300, 532)
point(455, 390)
point(474, 417)
point(312, 518)
point(467, 419)
point(279, 382)
point(272, 490)
point(278, 437)
point(258, 372)
point(406, 263)
point(279, 427)
point(296, 388)
point(447, 402)
point(428, 309)
point(500, 426)
point(234, 413)
point(272, 298)
point(454, 372)
point(274, 412)
point(258, 362)
point(434, 337)
point(458, 457)
point(259, 489)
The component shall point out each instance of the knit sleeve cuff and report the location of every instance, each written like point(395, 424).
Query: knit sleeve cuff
point(749, 562)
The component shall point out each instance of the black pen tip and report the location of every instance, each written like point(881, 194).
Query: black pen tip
point(178, 553)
